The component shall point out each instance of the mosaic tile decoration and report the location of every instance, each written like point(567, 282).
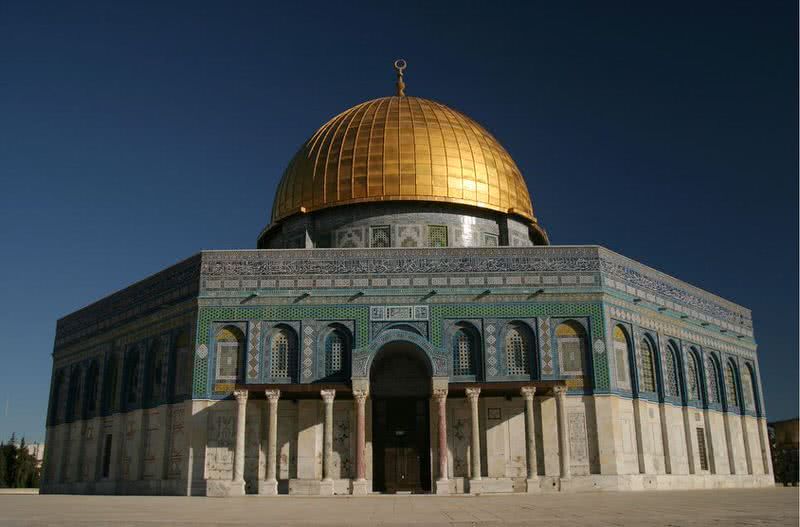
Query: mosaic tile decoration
point(545, 346)
point(208, 314)
point(252, 350)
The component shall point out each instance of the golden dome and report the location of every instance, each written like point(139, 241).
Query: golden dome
point(402, 149)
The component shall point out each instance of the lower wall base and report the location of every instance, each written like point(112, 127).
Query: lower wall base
point(593, 483)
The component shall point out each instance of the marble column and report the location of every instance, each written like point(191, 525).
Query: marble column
point(475, 440)
point(360, 485)
point(269, 486)
point(327, 459)
point(528, 392)
point(563, 430)
point(237, 487)
point(442, 483)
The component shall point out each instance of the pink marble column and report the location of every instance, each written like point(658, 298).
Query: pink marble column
point(270, 484)
point(238, 453)
point(560, 393)
point(475, 438)
point(360, 397)
point(440, 395)
point(527, 393)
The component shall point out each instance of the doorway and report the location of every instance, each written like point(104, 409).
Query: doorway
point(400, 386)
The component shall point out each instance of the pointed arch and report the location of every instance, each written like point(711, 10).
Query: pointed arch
point(671, 372)
point(622, 346)
point(731, 385)
point(648, 381)
point(283, 354)
point(572, 347)
point(229, 353)
point(337, 348)
point(712, 379)
point(465, 344)
point(518, 344)
point(692, 375)
point(90, 390)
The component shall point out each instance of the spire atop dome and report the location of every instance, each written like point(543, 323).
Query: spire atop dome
point(399, 67)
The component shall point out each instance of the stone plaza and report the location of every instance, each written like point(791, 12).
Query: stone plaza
point(405, 326)
point(763, 507)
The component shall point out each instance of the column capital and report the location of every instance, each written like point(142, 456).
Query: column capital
point(472, 393)
point(241, 396)
point(272, 395)
point(528, 392)
point(440, 393)
point(360, 394)
point(559, 390)
point(327, 395)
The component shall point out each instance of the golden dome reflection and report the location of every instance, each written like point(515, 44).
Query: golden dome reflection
point(402, 148)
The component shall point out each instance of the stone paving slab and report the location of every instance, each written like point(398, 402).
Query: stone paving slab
point(775, 506)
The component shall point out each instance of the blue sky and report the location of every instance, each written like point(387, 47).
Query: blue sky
point(134, 134)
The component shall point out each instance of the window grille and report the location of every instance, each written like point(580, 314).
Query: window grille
point(284, 355)
point(701, 449)
point(711, 379)
point(490, 240)
point(463, 353)
point(730, 386)
point(747, 389)
point(437, 236)
point(107, 456)
point(621, 354)
point(571, 348)
point(672, 374)
point(648, 380)
point(334, 353)
point(380, 236)
point(691, 378)
point(227, 360)
point(517, 361)
point(133, 380)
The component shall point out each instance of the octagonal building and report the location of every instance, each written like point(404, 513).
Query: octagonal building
point(405, 326)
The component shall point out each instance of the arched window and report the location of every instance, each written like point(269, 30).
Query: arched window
point(155, 375)
point(229, 347)
point(731, 396)
point(74, 399)
point(647, 381)
point(465, 345)
point(712, 380)
point(748, 389)
point(283, 353)
point(110, 385)
point(621, 354)
point(183, 365)
point(132, 384)
point(336, 351)
point(571, 343)
point(518, 351)
point(90, 391)
point(57, 399)
point(671, 372)
point(692, 380)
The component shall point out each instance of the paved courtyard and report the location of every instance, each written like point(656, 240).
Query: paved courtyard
point(777, 506)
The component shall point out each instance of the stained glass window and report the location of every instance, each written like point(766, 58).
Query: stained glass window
point(730, 385)
point(692, 381)
point(284, 355)
point(517, 356)
point(464, 353)
point(712, 381)
point(748, 390)
point(571, 344)
point(334, 354)
point(380, 236)
point(228, 352)
point(437, 235)
point(621, 356)
point(671, 373)
point(648, 374)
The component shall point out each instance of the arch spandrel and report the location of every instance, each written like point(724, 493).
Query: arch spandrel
point(438, 362)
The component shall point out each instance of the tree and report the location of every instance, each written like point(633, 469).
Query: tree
point(3, 471)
